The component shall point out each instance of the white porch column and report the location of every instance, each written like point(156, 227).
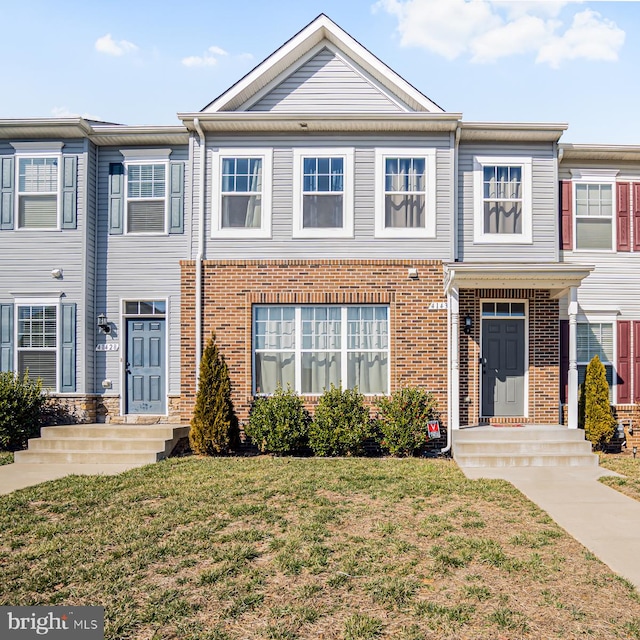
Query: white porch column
point(454, 360)
point(572, 387)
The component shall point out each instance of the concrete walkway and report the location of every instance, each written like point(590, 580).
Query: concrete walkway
point(604, 520)
point(19, 476)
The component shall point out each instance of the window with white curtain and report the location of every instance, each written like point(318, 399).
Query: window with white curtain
point(596, 339)
point(38, 188)
point(309, 348)
point(146, 197)
point(242, 193)
point(37, 343)
point(405, 193)
point(502, 200)
point(594, 215)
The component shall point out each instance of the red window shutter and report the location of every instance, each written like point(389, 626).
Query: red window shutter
point(564, 360)
point(636, 360)
point(623, 226)
point(566, 215)
point(624, 362)
point(636, 216)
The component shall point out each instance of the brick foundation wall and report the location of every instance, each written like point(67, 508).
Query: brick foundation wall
point(543, 355)
point(418, 336)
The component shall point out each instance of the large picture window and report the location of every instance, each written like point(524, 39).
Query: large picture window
point(38, 342)
point(311, 347)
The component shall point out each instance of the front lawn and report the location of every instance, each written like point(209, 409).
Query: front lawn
point(283, 548)
point(626, 465)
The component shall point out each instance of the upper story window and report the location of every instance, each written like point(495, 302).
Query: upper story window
point(594, 215)
point(405, 193)
point(242, 193)
point(502, 200)
point(323, 193)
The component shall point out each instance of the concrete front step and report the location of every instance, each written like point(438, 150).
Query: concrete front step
point(87, 457)
point(528, 446)
point(526, 460)
point(102, 444)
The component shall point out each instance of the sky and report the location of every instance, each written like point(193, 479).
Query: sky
point(143, 61)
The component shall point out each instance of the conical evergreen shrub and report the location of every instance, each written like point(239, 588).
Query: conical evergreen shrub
point(599, 423)
point(214, 425)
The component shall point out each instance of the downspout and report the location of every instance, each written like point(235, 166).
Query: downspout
point(454, 250)
point(201, 236)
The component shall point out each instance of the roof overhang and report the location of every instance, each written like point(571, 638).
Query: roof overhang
point(105, 135)
point(511, 131)
point(554, 277)
point(599, 152)
point(260, 122)
point(43, 128)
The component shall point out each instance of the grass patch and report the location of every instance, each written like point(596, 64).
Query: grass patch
point(628, 467)
point(251, 548)
point(6, 457)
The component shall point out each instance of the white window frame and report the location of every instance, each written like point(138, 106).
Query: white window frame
point(604, 316)
point(346, 231)
point(297, 349)
point(28, 150)
point(141, 157)
point(264, 231)
point(479, 235)
point(429, 156)
point(599, 177)
point(39, 302)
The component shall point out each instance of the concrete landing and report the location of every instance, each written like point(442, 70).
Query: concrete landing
point(18, 476)
point(602, 519)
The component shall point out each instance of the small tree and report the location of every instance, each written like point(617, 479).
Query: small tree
point(278, 423)
point(21, 409)
point(214, 425)
point(341, 423)
point(599, 423)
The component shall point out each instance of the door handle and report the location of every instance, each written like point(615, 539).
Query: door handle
point(127, 370)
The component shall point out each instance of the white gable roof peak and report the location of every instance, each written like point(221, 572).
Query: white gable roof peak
point(285, 59)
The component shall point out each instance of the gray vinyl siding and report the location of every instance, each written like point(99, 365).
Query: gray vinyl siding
point(363, 244)
point(327, 84)
point(137, 267)
point(87, 352)
point(544, 247)
point(35, 253)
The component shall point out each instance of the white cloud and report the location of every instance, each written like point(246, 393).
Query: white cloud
point(208, 59)
point(590, 37)
point(487, 30)
point(106, 44)
point(64, 112)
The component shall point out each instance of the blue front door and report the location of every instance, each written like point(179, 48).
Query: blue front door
point(146, 366)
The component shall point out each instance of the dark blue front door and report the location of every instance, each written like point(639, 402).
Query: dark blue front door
point(146, 366)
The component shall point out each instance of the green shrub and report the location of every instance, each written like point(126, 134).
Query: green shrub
point(214, 425)
point(599, 423)
point(21, 409)
point(403, 420)
point(341, 423)
point(278, 423)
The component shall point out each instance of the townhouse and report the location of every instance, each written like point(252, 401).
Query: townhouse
point(331, 224)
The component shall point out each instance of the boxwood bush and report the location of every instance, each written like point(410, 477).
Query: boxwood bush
point(403, 418)
point(278, 423)
point(341, 423)
point(22, 404)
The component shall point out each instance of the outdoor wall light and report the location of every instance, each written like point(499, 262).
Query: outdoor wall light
point(630, 427)
point(103, 323)
point(56, 273)
point(468, 323)
point(635, 450)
